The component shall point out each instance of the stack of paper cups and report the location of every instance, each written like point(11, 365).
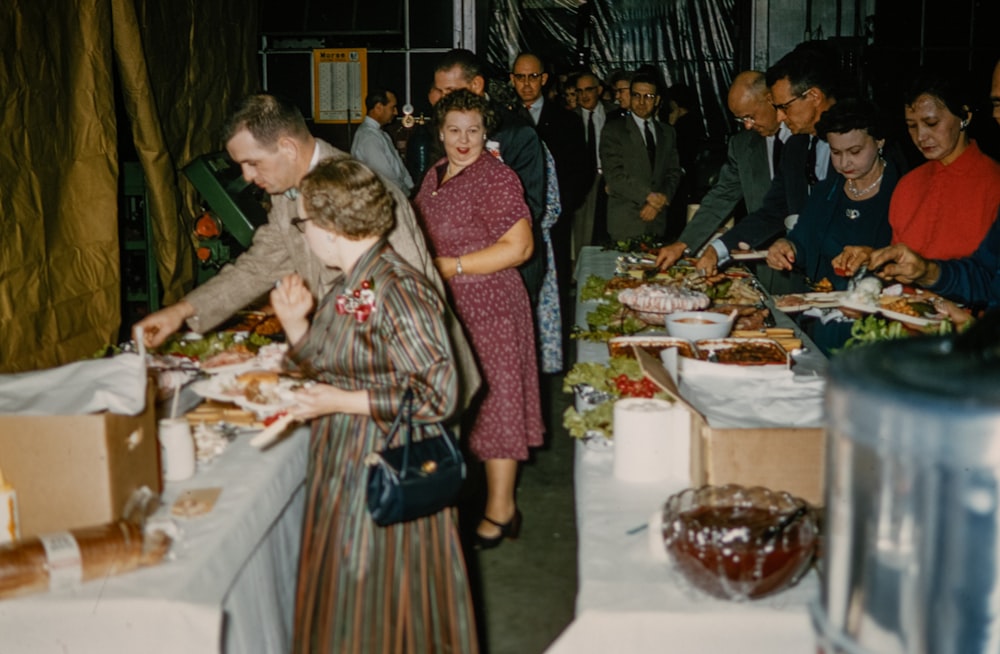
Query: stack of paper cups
point(652, 441)
point(177, 452)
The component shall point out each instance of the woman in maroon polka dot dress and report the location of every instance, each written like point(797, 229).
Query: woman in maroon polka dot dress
point(473, 209)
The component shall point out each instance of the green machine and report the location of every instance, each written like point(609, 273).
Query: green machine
point(234, 210)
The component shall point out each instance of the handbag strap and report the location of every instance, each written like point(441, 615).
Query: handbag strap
point(404, 419)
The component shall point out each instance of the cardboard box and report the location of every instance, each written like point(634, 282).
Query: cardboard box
point(791, 459)
point(78, 471)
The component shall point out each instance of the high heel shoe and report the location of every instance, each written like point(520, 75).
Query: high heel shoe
point(510, 529)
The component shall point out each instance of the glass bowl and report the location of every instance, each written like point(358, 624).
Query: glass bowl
point(739, 543)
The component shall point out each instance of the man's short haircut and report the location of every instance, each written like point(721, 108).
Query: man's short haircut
point(644, 78)
point(376, 96)
point(464, 59)
point(809, 65)
point(267, 118)
point(618, 75)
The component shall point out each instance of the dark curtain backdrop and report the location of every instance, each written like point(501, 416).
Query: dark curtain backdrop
point(689, 41)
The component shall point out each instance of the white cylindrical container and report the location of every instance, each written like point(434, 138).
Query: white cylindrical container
point(652, 440)
point(177, 454)
point(10, 525)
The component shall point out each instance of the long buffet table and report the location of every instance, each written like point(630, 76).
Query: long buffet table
point(229, 586)
point(632, 600)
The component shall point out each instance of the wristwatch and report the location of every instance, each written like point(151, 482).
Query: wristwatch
point(458, 265)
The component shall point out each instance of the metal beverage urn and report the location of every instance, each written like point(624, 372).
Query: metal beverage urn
point(911, 559)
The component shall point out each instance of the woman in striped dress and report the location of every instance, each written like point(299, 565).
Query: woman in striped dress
point(362, 588)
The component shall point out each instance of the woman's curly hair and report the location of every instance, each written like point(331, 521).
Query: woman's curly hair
point(466, 100)
point(344, 196)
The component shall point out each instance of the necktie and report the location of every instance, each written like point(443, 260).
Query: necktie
point(526, 113)
point(650, 145)
point(776, 153)
point(811, 177)
point(592, 139)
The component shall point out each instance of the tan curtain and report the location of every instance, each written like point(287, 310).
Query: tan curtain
point(181, 66)
point(59, 286)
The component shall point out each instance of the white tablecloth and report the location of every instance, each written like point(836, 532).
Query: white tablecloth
point(230, 587)
point(630, 599)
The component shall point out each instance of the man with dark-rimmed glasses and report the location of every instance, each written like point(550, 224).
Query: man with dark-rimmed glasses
point(803, 85)
point(752, 157)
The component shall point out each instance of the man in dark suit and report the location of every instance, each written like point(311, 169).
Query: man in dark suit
point(753, 155)
point(589, 223)
point(804, 84)
point(641, 165)
point(520, 148)
point(562, 132)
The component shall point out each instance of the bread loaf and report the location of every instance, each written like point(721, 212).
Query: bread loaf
point(67, 558)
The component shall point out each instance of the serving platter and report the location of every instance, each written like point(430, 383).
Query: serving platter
point(265, 400)
point(748, 255)
point(796, 302)
point(883, 310)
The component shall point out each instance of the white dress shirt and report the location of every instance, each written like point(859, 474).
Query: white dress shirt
point(600, 117)
point(536, 109)
point(373, 147)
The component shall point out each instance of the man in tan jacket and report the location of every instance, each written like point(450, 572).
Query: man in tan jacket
point(269, 139)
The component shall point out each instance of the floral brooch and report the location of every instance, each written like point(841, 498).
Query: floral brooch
point(360, 302)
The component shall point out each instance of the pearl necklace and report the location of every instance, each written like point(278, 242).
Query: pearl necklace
point(858, 193)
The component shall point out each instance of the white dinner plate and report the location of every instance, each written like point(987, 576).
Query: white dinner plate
point(213, 388)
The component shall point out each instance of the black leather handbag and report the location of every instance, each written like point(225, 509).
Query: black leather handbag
point(416, 478)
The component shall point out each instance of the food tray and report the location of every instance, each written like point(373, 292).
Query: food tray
point(905, 318)
point(779, 362)
point(622, 345)
point(796, 302)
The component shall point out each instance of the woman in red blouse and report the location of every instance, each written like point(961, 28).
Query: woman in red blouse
point(943, 208)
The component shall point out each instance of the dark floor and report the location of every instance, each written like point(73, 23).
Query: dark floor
point(525, 589)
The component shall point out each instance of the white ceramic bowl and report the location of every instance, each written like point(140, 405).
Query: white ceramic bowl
point(696, 325)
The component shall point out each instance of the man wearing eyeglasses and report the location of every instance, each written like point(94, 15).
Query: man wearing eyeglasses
point(641, 165)
point(752, 158)
point(562, 132)
point(589, 223)
point(268, 138)
point(804, 84)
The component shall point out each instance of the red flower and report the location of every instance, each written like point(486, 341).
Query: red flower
point(359, 302)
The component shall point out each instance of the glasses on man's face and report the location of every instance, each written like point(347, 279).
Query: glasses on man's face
point(523, 77)
point(746, 121)
point(785, 105)
point(298, 223)
point(645, 97)
point(586, 89)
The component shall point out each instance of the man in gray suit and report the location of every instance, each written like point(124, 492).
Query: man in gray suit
point(589, 222)
point(270, 141)
point(641, 165)
point(748, 170)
